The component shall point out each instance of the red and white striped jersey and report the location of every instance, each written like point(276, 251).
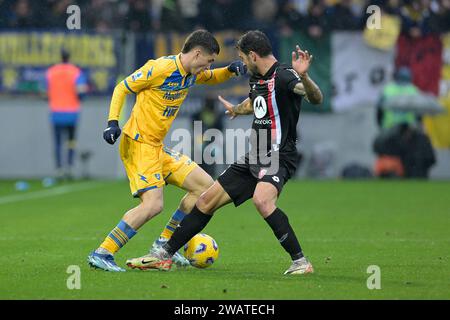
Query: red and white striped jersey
point(276, 110)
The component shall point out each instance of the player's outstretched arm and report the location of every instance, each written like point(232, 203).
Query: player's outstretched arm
point(301, 60)
point(309, 89)
point(112, 132)
point(220, 75)
point(245, 107)
point(238, 68)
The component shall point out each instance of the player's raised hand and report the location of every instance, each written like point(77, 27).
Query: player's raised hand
point(301, 60)
point(238, 68)
point(112, 133)
point(229, 108)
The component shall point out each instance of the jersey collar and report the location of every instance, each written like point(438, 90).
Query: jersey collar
point(180, 66)
point(269, 72)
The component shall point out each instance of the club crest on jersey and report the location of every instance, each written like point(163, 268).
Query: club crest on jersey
point(158, 176)
point(259, 107)
point(271, 84)
point(262, 173)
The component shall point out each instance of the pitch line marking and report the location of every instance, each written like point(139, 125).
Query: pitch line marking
point(47, 193)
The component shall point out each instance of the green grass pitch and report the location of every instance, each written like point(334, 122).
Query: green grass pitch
point(344, 227)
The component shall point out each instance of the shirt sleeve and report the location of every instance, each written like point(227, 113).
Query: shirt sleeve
point(289, 78)
point(214, 76)
point(147, 76)
point(117, 101)
point(144, 77)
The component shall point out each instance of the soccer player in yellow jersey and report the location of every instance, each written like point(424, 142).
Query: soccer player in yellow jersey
point(160, 87)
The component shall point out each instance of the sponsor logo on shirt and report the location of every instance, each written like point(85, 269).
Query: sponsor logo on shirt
point(259, 107)
point(136, 76)
point(263, 121)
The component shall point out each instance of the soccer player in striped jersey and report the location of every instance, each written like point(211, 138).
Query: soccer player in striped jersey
point(160, 87)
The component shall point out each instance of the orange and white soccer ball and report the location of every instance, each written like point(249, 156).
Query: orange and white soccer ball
point(201, 251)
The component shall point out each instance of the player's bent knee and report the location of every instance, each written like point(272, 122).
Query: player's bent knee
point(205, 203)
point(152, 210)
point(188, 202)
point(264, 206)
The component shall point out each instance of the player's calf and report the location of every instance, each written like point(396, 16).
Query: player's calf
point(264, 205)
point(151, 205)
point(150, 210)
point(279, 223)
point(265, 197)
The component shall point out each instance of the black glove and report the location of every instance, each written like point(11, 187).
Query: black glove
point(238, 68)
point(113, 132)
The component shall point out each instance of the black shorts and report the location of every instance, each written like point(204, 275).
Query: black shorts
point(239, 180)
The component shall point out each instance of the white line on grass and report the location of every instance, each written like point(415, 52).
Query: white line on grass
point(48, 193)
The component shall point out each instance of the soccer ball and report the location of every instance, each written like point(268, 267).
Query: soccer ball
point(201, 251)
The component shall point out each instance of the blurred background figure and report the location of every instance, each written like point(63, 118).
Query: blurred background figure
point(21, 15)
point(315, 22)
point(139, 17)
point(210, 119)
point(403, 149)
point(66, 84)
point(345, 15)
point(401, 85)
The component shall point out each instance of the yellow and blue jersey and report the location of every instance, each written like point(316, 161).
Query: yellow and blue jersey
point(160, 86)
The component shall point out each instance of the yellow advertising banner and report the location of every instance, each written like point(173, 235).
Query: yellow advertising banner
point(25, 56)
point(438, 127)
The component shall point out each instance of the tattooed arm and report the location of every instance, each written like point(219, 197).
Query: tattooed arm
point(309, 89)
point(245, 107)
point(301, 60)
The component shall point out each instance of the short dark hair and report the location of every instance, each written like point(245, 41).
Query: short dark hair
point(255, 41)
point(203, 39)
point(65, 55)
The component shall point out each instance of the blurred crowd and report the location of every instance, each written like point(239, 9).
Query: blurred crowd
point(317, 17)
